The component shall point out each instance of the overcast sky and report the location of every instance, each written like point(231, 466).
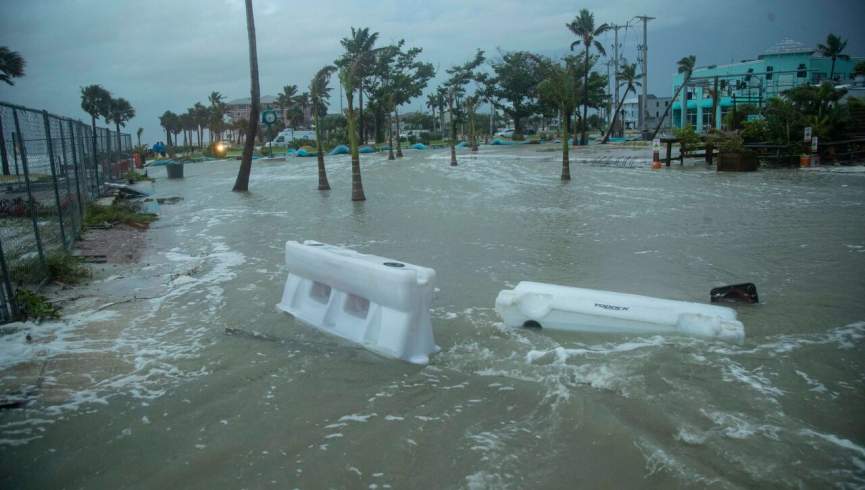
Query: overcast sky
point(168, 54)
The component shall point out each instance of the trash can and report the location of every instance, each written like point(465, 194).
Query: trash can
point(175, 170)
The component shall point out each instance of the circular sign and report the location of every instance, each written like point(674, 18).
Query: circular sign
point(268, 117)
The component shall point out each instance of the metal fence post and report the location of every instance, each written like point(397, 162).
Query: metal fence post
point(54, 177)
point(3, 156)
point(77, 172)
point(9, 299)
point(31, 201)
point(64, 169)
point(95, 161)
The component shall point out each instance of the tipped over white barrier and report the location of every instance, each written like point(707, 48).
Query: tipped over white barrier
point(591, 310)
point(380, 303)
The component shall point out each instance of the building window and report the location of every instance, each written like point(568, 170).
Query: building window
point(801, 72)
point(769, 70)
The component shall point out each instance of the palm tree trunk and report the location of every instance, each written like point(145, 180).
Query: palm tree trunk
point(398, 139)
point(242, 182)
point(453, 135)
point(356, 181)
point(584, 138)
point(616, 115)
point(669, 106)
point(323, 184)
point(390, 155)
point(566, 164)
point(832, 70)
point(360, 110)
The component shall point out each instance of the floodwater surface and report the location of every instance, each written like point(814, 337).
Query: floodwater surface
point(207, 385)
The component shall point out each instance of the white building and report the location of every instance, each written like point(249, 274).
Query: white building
point(655, 107)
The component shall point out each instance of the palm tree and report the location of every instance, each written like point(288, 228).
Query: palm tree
point(348, 77)
point(285, 100)
point(431, 103)
point(686, 67)
point(95, 101)
point(216, 112)
point(359, 48)
point(583, 26)
point(319, 94)
point(832, 49)
point(302, 101)
point(119, 112)
point(242, 182)
point(628, 77)
point(559, 88)
point(165, 122)
point(138, 133)
point(11, 65)
point(202, 117)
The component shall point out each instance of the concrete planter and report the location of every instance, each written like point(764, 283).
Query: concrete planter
point(741, 161)
point(174, 170)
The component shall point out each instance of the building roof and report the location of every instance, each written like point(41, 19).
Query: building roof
point(265, 99)
point(787, 46)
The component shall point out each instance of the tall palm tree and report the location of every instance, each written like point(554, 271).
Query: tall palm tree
point(348, 76)
point(319, 95)
point(628, 77)
point(95, 101)
point(559, 88)
point(832, 49)
point(11, 65)
point(138, 133)
point(583, 26)
point(686, 67)
point(119, 112)
point(360, 47)
point(242, 182)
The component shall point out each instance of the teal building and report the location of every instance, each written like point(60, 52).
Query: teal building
point(786, 65)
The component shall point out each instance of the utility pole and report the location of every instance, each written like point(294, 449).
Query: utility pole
point(615, 29)
point(645, 59)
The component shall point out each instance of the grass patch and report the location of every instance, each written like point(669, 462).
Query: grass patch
point(119, 212)
point(59, 267)
point(133, 177)
point(33, 306)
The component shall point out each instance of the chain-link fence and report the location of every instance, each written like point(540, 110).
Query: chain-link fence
point(51, 167)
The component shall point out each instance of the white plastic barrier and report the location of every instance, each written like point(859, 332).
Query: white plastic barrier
point(380, 303)
point(592, 310)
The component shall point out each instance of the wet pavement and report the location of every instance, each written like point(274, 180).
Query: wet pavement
point(141, 386)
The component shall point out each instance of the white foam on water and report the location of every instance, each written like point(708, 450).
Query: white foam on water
point(356, 417)
point(737, 426)
point(838, 441)
point(756, 379)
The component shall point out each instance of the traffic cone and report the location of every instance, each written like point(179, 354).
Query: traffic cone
point(656, 160)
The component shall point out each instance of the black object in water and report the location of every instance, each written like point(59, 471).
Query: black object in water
point(736, 293)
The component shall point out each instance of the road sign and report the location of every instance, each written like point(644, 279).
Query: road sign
point(807, 134)
point(656, 144)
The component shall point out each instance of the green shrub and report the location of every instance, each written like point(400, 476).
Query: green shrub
point(66, 268)
point(33, 306)
point(687, 137)
point(755, 131)
point(518, 137)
